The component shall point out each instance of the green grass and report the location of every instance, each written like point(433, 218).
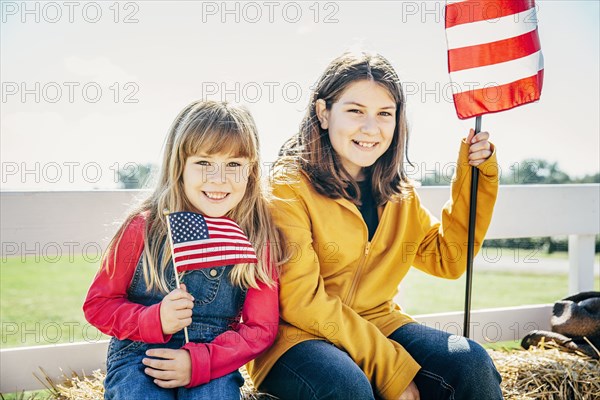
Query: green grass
point(506, 345)
point(29, 395)
point(40, 302)
point(424, 294)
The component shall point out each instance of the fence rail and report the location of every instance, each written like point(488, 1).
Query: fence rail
point(33, 221)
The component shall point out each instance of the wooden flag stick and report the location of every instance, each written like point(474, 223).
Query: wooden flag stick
point(471, 238)
point(166, 214)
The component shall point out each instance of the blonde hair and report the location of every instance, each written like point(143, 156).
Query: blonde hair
point(211, 127)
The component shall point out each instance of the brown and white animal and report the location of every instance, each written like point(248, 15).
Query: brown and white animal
point(573, 318)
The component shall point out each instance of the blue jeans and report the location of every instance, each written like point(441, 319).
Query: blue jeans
point(127, 379)
point(452, 368)
point(217, 305)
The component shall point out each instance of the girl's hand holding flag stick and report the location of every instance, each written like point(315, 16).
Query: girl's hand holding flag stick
point(200, 242)
point(179, 302)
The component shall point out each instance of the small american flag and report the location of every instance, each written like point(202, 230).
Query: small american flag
point(206, 242)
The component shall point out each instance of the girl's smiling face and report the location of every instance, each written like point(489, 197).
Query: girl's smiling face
point(215, 184)
point(361, 124)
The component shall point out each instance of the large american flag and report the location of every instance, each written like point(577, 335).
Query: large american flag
point(205, 242)
point(494, 55)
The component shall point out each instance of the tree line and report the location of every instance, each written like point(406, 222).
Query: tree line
point(527, 172)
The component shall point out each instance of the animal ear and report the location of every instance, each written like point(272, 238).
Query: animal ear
point(592, 307)
point(582, 296)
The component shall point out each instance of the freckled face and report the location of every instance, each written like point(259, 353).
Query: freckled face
point(215, 184)
point(361, 125)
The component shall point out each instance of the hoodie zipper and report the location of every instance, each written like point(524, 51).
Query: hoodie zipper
point(363, 261)
point(358, 273)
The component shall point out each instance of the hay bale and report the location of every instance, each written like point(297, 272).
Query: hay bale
point(91, 387)
point(541, 373)
point(545, 373)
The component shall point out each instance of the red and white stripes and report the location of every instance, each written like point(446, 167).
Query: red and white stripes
point(494, 55)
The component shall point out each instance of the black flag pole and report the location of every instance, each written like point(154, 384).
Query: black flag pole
point(471, 237)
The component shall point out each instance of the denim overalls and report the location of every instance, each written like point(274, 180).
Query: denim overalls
point(217, 305)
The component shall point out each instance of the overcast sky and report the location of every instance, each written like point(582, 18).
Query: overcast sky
point(88, 87)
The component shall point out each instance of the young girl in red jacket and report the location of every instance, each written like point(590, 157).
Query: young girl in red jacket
point(210, 166)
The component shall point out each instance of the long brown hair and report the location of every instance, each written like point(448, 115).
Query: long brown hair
point(210, 127)
point(311, 148)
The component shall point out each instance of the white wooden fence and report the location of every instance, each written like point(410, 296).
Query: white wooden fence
point(49, 222)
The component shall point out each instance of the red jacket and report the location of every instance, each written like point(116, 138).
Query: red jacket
point(108, 309)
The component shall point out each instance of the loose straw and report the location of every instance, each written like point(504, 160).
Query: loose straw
point(166, 214)
point(540, 373)
point(545, 373)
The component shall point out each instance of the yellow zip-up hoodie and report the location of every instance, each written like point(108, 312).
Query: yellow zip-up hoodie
point(339, 287)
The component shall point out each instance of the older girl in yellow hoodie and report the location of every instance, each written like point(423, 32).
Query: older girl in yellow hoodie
point(356, 224)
